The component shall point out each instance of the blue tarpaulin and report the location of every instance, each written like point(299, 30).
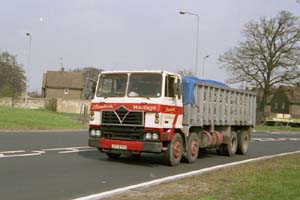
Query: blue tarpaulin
point(188, 85)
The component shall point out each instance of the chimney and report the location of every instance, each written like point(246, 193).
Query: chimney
point(62, 69)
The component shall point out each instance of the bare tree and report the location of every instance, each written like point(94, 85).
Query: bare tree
point(12, 76)
point(270, 55)
point(186, 72)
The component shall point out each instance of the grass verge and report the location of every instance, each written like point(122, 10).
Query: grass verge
point(276, 179)
point(277, 129)
point(26, 119)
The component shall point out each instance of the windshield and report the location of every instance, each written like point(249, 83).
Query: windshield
point(144, 85)
point(112, 85)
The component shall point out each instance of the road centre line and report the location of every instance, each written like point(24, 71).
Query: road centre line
point(274, 139)
point(71, 149)
point(178, 176)
point(22, 153)
point(18, 151)
point(64, 148)
point(33, 153)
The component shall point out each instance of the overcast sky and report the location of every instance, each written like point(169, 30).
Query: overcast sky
point(127, 34)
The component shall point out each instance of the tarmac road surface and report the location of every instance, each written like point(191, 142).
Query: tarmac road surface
point(60, 165)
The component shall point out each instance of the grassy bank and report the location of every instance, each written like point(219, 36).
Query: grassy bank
point(26, 119)
point(276, 179)
point(277, 129)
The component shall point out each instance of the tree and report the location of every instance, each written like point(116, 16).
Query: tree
point(186, 72)
point(270, 55)
point(12, 76)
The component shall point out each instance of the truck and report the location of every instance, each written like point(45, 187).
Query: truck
point(156, 111)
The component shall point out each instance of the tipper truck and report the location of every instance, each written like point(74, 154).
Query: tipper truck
point(163, 112)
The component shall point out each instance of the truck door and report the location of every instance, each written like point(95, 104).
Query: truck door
point(172, 100)
point(173, 90)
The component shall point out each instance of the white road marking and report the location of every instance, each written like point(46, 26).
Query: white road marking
point(33, 153)
point(75, 151)
point(18, 151)
point(178, 176)
point(274, 139)
point(23, 153)
point(63, 148)
point(71, 149)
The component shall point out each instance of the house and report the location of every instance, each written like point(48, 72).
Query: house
point(61, 84)
point(284, 100)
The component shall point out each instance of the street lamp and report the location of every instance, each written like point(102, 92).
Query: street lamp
point(28, 66)
point(203, 66)
point(197, 35)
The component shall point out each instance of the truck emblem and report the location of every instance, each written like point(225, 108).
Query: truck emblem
point(121, 113)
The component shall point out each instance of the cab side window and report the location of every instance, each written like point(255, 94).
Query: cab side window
point(179, 89)
point(170, 87)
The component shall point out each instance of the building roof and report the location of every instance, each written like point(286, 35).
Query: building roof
point(61, 79)
point(291, 92)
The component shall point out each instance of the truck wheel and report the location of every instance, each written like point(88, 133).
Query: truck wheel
point(193, 147)
point(243, 142)
point(113, 155)
point(175, 150)
point(230, 148)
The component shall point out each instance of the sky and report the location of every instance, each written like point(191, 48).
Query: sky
point(127, 34)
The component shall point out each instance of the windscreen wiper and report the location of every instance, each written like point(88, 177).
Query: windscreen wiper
point(144, 96)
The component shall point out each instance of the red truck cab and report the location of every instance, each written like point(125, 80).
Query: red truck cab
point(135, 111)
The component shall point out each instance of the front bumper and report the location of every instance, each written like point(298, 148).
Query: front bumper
point(94, 142)
point(137, 146)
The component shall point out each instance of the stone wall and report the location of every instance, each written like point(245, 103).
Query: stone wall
point(73, 106)
point(33, 103)
point(295, 111)
point(59, 105)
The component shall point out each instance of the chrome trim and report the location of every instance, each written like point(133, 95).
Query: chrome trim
point(122, 120)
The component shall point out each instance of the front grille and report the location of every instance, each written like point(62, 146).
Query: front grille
point(122, 132)
point(122, 116)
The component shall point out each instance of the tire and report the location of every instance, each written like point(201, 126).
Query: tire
point(113, 155)
point(175, 150)
point(192, 148)
point(230, 148)
point(243, 142)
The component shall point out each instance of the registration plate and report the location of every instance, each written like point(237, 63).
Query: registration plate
point(119, 146)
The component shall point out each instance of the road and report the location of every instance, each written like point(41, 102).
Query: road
point(59, 165)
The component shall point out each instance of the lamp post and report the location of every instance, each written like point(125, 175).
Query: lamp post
point(203, 66)
point(28, 66)
point(197, 36)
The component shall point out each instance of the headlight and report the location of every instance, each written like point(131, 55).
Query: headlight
point(93, 133)
point(148, 136)
point(155, 136)
point(98, 133)
point(152, 136)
